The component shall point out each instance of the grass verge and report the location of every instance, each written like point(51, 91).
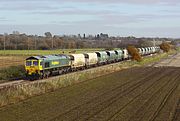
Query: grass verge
point(152, 59)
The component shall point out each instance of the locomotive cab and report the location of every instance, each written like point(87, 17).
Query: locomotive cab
point(33, 66)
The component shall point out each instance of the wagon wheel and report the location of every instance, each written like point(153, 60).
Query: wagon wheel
point(60, 72)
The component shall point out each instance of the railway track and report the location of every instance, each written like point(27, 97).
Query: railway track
point(24, 81)
point(11, 84)
point(15, 82)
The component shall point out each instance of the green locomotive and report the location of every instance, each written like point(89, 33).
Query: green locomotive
point(43, 66)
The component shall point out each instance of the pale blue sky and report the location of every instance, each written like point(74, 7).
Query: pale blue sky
point(149, 18)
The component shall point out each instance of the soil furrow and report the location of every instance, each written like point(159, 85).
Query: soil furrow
point(101, 104)
point(164, 101)
point(177, 111)
point(134, 94)
point(127, 110)
point(109, 92)
point(69, 96)
point(169, 110)
point(149, 102)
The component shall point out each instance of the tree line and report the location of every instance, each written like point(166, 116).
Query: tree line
point(16, 41)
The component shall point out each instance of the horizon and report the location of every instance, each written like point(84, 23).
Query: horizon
point(138, 18)
point(87, 35)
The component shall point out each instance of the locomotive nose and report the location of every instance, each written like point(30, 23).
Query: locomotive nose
point(32, 70)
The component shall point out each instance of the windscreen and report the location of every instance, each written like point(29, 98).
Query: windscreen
point(35, 63)
point(28, 63)
point(31, 63)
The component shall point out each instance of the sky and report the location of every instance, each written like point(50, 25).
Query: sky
point(140, 18)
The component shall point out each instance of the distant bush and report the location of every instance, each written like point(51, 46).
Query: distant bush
point(166, 47)
point(12, 73)
point(134, 53)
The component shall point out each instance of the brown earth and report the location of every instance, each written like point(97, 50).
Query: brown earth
point(7, 61)
point(137, 94)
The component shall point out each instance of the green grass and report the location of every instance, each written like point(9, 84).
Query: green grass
point(157, 58)
point(11, 73)
point(44, 52)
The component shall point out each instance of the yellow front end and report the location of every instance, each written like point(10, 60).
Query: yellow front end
point(33, 67)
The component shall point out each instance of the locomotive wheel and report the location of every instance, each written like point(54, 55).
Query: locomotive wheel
point(41, 76)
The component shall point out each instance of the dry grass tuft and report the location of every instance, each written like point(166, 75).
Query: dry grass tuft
point(134, 53)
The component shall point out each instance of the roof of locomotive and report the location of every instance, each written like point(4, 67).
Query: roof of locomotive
point(48, 57)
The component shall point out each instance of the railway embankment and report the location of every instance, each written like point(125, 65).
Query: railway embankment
point(12, 93)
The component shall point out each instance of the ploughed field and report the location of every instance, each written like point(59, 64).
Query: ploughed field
point(136, 94)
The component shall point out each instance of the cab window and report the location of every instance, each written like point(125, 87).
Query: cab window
point(28, 63)
point(47, 64)
point(35, 63)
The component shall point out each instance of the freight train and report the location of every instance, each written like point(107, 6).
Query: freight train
point(39, 67)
